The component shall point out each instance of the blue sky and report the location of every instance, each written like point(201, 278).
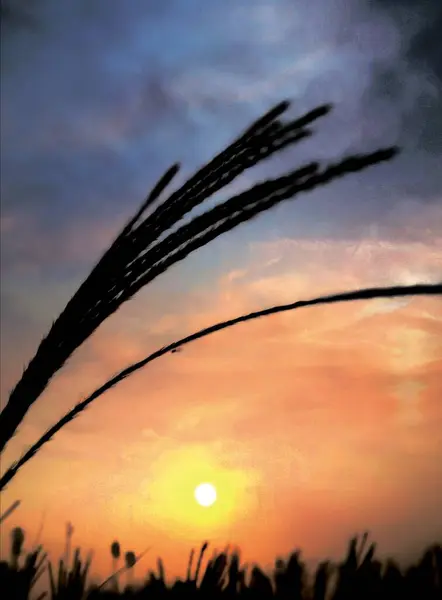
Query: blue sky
point(99, 98)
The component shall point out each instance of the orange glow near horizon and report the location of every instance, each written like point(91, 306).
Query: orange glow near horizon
point(312, 425)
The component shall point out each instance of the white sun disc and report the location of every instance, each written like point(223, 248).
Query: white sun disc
point(205, 494)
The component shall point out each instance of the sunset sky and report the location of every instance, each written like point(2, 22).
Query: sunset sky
point(312, 425)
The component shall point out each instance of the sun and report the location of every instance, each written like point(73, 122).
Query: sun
point(205, 494)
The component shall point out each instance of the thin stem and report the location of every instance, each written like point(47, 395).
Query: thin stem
point(363, 294)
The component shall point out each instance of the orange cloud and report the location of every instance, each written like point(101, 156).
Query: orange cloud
point(329, 413)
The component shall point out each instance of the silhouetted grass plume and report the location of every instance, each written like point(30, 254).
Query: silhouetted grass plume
point(136, 257)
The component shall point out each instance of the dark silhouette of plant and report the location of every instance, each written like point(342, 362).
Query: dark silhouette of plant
point(70, 583)
point(116, 554)
point(9, 510)
point(393, 580)
point(290, 578)
point(360, 576)
point(157, 583)
point(321, 581)
point(420, 578)
point(364, 294)
point(69, 534)
point(16, 580)
point(17, 540)
point(235, 577)
point(189, 565)
point(146, 247)
point(260, 584)
point(200, 560)
point(130, 560)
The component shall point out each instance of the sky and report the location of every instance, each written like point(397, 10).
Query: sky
point(313, 425)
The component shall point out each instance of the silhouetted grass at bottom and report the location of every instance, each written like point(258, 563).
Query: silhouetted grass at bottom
point(359, 576)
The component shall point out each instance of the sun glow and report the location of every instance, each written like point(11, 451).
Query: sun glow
point(189, 491)
point(205, 494)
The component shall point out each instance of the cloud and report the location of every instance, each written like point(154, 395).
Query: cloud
point(412, 85)
point(16, 14)
point(93, 133)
